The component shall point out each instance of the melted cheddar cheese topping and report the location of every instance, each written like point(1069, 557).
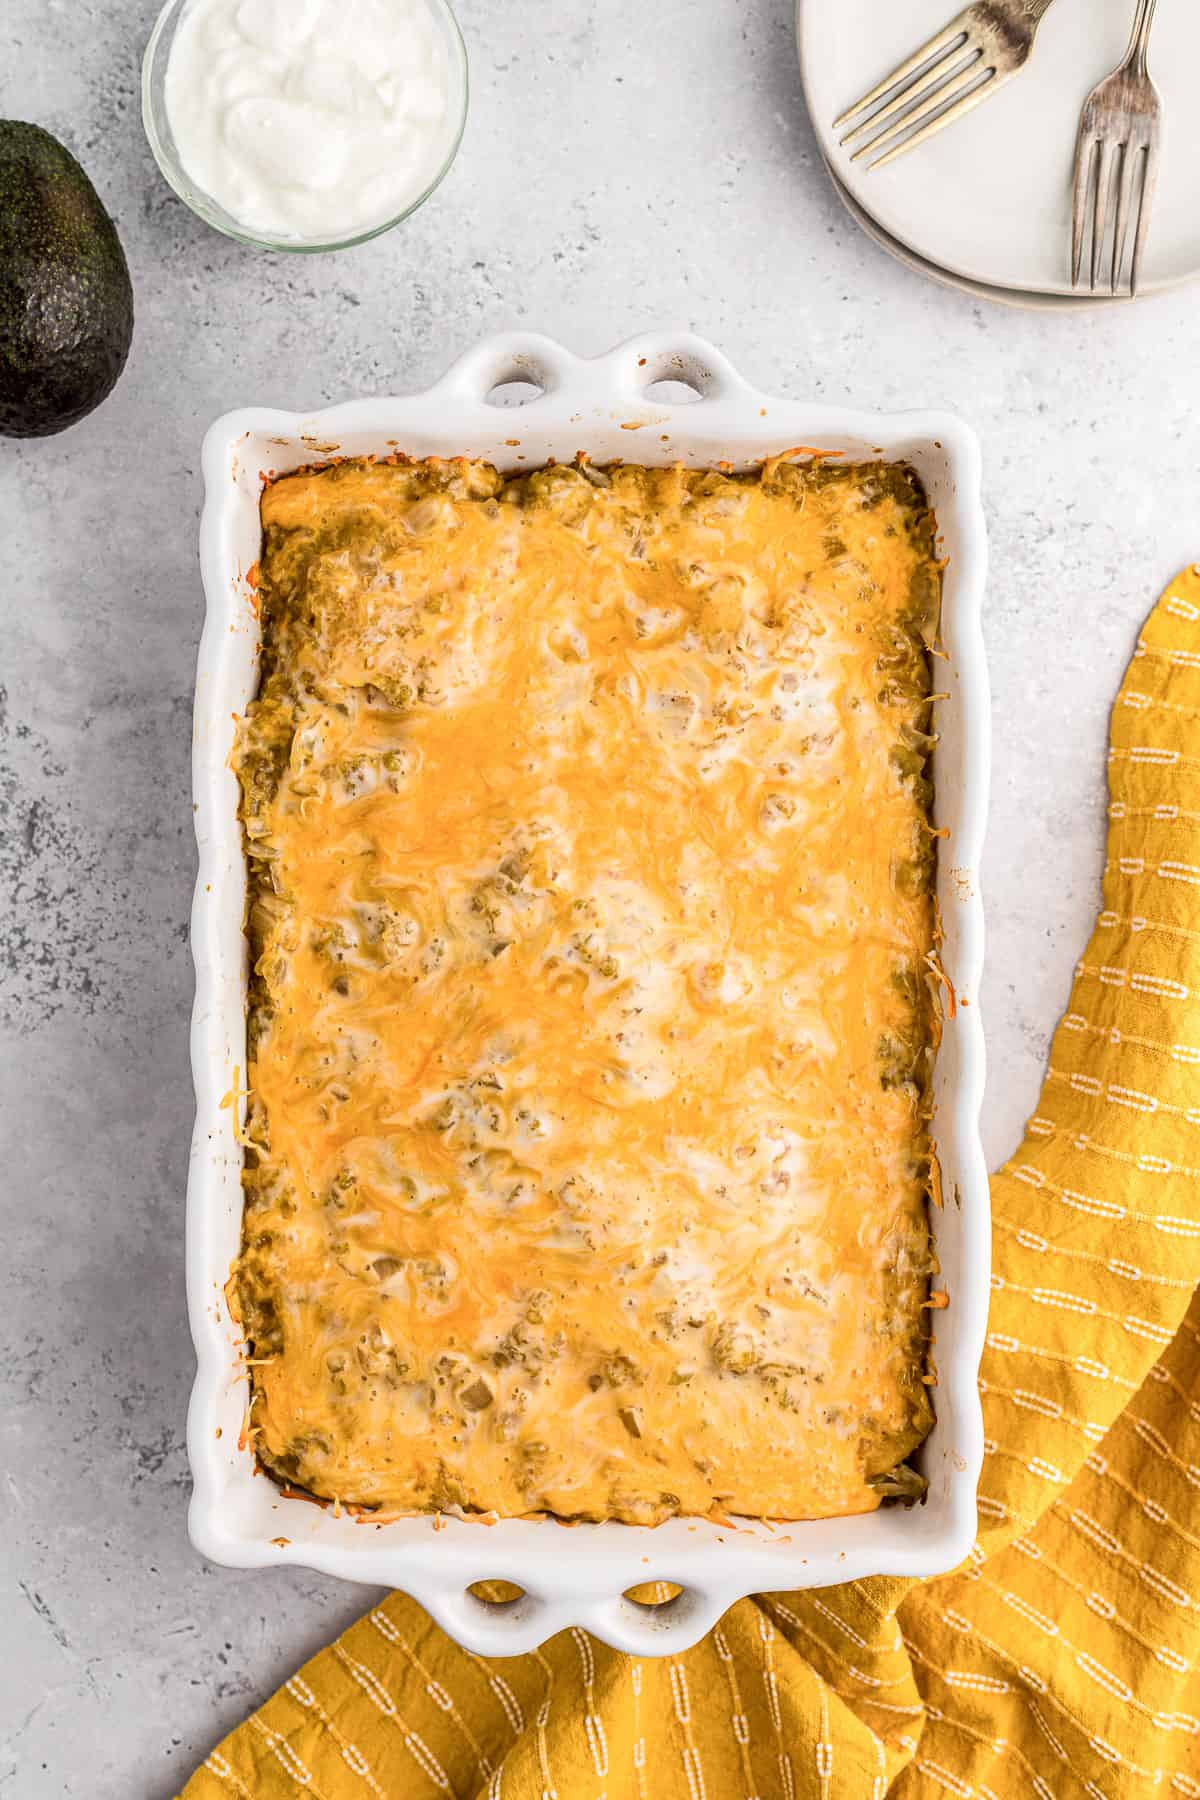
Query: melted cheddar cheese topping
point(590, 1025)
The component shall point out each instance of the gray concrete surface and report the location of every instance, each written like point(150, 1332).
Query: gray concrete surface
point(624, 165)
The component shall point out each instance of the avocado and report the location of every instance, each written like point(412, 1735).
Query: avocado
point(66, 300)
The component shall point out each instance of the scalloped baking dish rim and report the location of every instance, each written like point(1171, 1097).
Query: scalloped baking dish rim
point(577, 1575)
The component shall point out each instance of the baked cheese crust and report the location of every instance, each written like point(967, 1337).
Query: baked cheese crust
point(590, 1017)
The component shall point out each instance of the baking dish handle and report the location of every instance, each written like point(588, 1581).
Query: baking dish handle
point(512, 356)
point(679, 357)
point(514, 1627)
point(618, 379)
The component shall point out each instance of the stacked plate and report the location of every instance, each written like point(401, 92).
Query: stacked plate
point(985, 205)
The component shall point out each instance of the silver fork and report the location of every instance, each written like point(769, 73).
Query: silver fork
point(965, 63)
point(1119, 131)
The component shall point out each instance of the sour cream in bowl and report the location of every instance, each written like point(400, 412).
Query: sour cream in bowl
point(304, 124)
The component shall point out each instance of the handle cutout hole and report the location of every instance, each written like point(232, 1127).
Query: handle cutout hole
point(518, 391)
point(653, 1593)
point(496, 1593)
point(673, 390)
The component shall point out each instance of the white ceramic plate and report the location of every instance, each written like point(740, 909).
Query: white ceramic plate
point(607, 406)
point(1024, 297)
point(989, 198)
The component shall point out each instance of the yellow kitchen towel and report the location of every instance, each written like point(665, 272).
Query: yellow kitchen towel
point(1062, 1659)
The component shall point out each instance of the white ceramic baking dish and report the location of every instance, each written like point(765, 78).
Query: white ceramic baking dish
point(612, 407)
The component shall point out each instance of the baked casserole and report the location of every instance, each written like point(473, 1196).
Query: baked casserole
point(591, 1017)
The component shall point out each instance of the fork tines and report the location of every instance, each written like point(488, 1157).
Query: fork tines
point(951, 73)
point(1094, 166)
point(1111, 162)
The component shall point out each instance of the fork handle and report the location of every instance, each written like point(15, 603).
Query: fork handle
point(1139, 37)
point(1034, 10)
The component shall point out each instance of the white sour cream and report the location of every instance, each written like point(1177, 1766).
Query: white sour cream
point(311, 119)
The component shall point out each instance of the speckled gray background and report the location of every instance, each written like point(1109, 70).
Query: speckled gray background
point(625, 165)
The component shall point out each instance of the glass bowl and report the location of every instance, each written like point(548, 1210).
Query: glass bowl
point(166, 154)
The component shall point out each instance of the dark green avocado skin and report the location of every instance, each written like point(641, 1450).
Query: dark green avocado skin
point(66, 300)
